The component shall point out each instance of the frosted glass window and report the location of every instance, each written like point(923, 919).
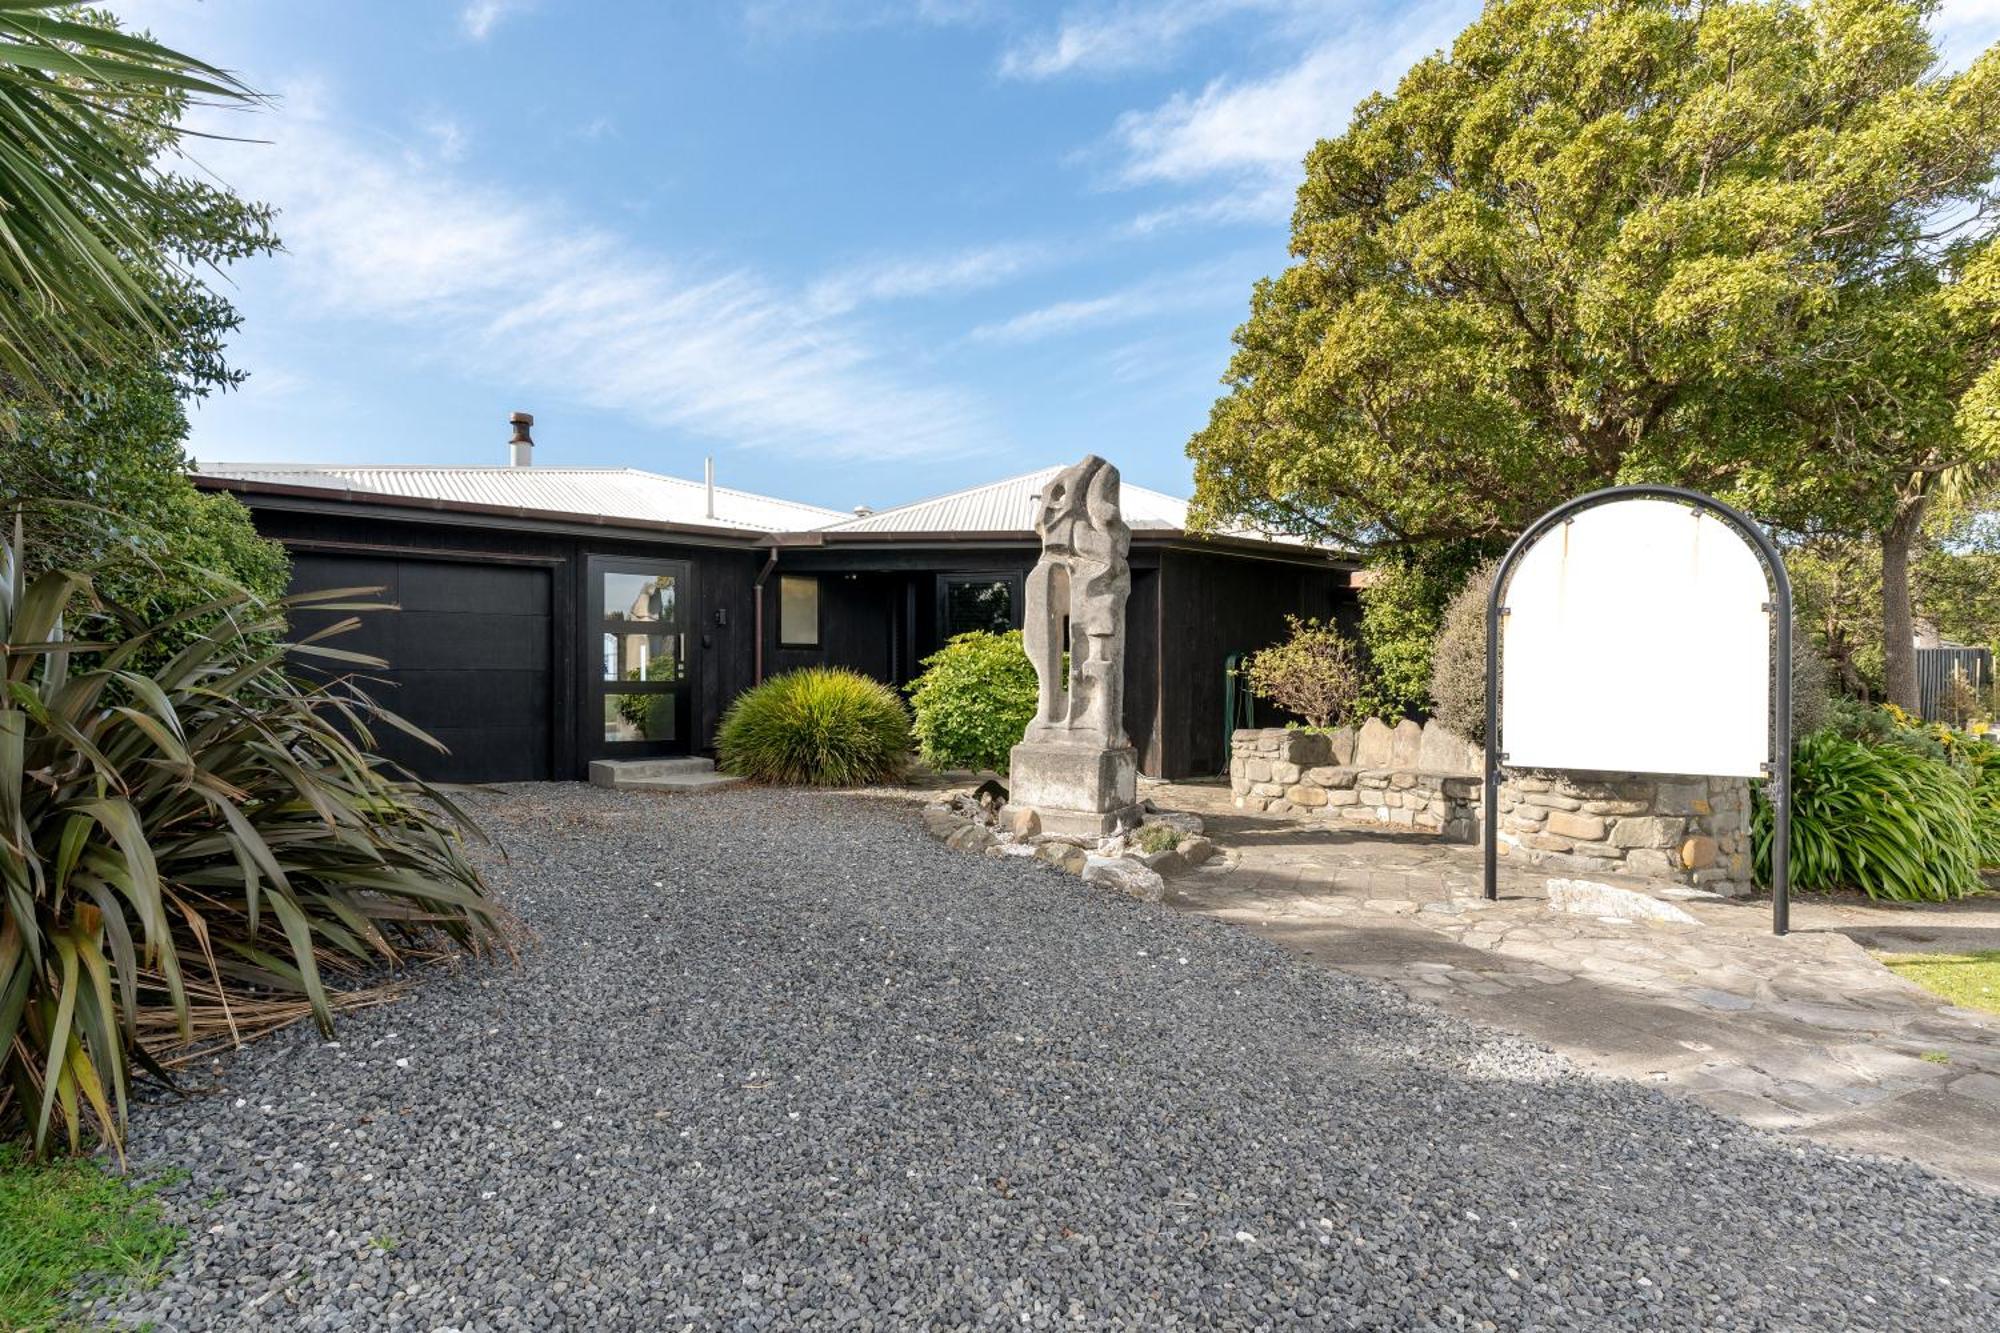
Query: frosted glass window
point(798, 611)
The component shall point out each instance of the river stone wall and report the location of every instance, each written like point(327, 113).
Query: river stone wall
point(1685, 830)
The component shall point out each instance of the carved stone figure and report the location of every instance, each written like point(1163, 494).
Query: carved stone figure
point(1075, 765)
point(1082, 578)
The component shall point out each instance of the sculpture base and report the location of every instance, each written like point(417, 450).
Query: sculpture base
point(1076, 789)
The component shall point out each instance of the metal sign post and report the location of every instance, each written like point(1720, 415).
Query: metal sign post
point(1776, 769)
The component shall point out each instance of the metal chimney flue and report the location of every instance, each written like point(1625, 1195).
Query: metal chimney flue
point(708, 480)
point(522, 445)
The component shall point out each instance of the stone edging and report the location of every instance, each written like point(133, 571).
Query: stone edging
point(965, 822)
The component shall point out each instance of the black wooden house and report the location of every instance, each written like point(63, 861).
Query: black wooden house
point(546, 617)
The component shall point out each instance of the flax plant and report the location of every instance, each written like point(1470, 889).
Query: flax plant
point(212, 825)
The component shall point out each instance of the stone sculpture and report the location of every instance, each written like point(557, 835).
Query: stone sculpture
point(1075, 767)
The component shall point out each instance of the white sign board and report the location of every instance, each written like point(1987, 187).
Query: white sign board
point(1636, 641)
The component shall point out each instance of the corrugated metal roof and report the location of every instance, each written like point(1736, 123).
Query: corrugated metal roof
point(1009, 505)
point(609, 492)
point(1013, 504)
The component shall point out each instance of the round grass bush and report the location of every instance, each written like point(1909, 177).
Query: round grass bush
point(974, 701)
point(819, 727)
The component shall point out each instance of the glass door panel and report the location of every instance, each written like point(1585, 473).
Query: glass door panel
point(638, 635)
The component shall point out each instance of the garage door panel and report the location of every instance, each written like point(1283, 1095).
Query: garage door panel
point(375, 635)
point(468, 656)
point(321, 573)
point(469, 699)
point(481, 589)
point(450, 640)
point(484, 754)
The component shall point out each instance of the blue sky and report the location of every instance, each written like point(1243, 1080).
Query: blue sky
point(859, 251)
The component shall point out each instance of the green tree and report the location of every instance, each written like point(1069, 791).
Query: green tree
point(1954, 588)
point(1623, 240)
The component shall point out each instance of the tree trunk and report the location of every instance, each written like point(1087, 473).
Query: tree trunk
point(1899, 653)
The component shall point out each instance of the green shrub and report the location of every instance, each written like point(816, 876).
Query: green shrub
point(820, 727)
point(1458, 662)
point(1884, 818)
point(204, 823)
point(1403, 600)
point(1315, 673)
point(974, 701)
point(1982, 768)
point(102, 485)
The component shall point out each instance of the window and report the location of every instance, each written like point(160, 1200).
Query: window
point(978, 604)
point(798, 611)
point(643, 597)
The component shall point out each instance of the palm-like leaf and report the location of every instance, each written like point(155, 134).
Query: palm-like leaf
point(77, 195)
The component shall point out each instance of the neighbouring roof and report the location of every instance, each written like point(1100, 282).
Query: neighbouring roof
point(626, 493)
point(1009, 505)
point(1013, 504)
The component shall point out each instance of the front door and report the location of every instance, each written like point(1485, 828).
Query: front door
point(636, 637)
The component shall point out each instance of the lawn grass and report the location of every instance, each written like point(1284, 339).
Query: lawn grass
point(1968, 979)
point(64, 1223)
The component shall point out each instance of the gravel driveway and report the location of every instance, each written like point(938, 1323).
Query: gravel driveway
point(780, 1061)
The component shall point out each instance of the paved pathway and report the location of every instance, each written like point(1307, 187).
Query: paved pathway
point(1807, 1033)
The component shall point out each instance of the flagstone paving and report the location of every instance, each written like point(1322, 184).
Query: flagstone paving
point(1806, 1033)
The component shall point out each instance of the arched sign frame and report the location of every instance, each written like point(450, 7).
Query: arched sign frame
point(1777, 769)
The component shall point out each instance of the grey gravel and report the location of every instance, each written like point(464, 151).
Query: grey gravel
point(780, 1060)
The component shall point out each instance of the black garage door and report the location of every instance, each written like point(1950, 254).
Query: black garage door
point(468, 655)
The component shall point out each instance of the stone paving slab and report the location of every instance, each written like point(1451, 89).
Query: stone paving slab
point(1806, 1034)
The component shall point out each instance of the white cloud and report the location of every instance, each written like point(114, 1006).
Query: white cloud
point(905, 279)
point(1964, 28)
point(781, 18)
point(1210, 284)
point(1122, 37)
point(1254, 133)
point(447, 136)
point(515, 290)
point(480, 17)
point(1253, 201)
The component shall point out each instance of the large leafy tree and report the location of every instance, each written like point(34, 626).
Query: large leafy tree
point(1601, 240)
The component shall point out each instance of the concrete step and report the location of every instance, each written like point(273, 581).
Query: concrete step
point(691, 774)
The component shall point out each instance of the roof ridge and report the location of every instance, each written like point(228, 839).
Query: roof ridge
point(730, 490)
point(963, 490)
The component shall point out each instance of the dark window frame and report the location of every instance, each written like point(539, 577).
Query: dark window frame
point(1016, 585)
point(819, 613)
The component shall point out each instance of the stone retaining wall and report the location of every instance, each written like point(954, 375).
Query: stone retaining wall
point(1689, 830)
point(1376, 774)
point(1692, 831)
